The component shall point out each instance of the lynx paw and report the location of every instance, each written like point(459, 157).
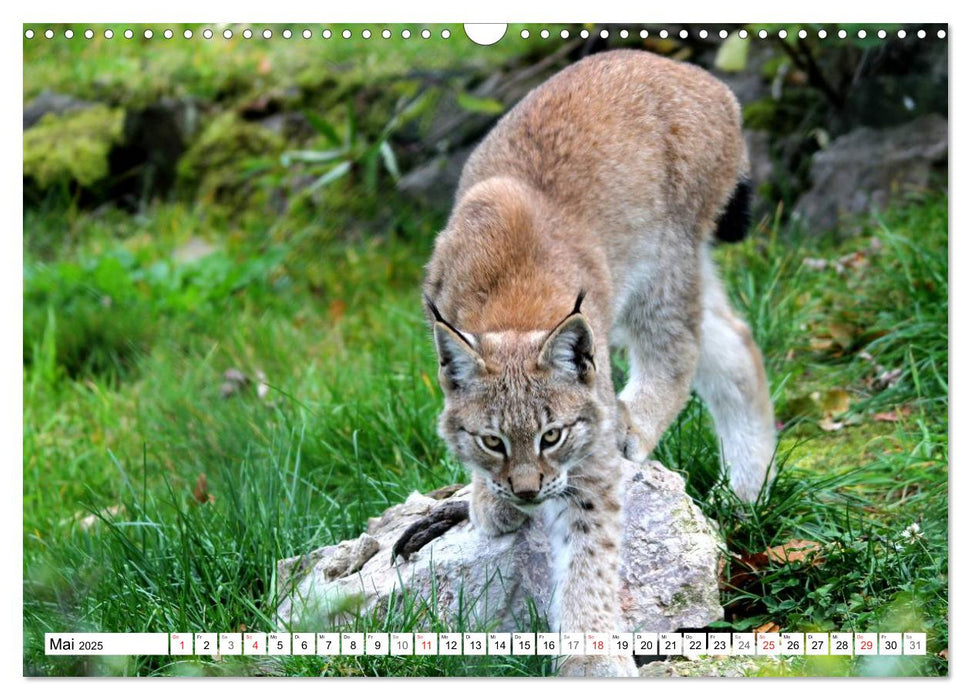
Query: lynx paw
point(634, 447)
point(631, 441)
point(442, 519)
point(599, 666)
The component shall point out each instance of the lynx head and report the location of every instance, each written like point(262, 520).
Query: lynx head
point(521, 409)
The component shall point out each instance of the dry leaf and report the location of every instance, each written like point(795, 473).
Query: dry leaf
point(829, 425)
point(853, 261)
point(834, 402)
point(886, 378)
point(843, 334)
point(337, 309)
point(821, 344)
point(767, 628)
point(233, 381)
point(796, 551)
point(894, 416)
point(201, 491)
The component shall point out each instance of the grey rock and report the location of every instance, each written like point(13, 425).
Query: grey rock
point(716, 667)
point(747, 85)
point(433, 183)
point(51, 103)
point(865, 169)
point(453, 130)
point(293, 126)
point(760, 156)
point(668, 571)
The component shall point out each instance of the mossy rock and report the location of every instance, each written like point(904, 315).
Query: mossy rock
point(72, 148)
point(717, 667)
point(221, 164)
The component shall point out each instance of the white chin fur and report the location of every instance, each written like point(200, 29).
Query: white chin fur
point(528, 508)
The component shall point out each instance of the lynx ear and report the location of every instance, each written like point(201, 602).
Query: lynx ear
point(459, 362)
point(569, 349)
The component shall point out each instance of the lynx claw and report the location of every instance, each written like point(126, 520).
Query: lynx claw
point(439, 521)
point(599, 666)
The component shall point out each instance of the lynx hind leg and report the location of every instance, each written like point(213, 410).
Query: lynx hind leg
point(490, 513)
point(731, 380)
point(659, 327)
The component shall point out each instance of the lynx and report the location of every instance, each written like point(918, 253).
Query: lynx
point(584, 220)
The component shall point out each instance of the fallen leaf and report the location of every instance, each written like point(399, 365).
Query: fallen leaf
point(796, 551)
point(894, 416)
point(843, 334)
point(851, 261)
point(834, 402)
point(744, 569)
point(234, 375)
point(337, 309)
point(201, 490)
point(821, 344)
point(233, 382)
point(829, 425)
point(886, 378)
point(767, 628)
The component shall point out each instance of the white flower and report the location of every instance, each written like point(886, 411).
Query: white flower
point(912, 533)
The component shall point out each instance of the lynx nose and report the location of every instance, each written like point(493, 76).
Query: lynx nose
point(526, 494)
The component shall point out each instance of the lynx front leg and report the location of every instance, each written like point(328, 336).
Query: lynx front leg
point(585, 536)
point(490, 513)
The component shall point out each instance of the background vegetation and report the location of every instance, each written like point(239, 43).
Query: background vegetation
point(239, 371)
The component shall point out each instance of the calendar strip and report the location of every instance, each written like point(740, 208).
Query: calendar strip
point(690, 644)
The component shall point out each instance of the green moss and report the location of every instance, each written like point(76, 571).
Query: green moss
point(222, 163)
point(72, 148)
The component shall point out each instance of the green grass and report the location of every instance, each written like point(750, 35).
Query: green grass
point(856, 489)
point(152, 502)
point(125, 351)
point(114, 70)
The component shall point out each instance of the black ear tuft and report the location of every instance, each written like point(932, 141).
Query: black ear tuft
point(440, 319)
point(459, 361)
point(580, 297)
point(569, 349)
point(434, 309)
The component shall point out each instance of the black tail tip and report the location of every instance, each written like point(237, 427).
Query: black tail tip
point(734, 221)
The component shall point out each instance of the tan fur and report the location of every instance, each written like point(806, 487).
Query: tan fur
point(608, 178)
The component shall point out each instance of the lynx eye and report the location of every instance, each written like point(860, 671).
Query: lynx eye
point(492, 443)
point(551, 438)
